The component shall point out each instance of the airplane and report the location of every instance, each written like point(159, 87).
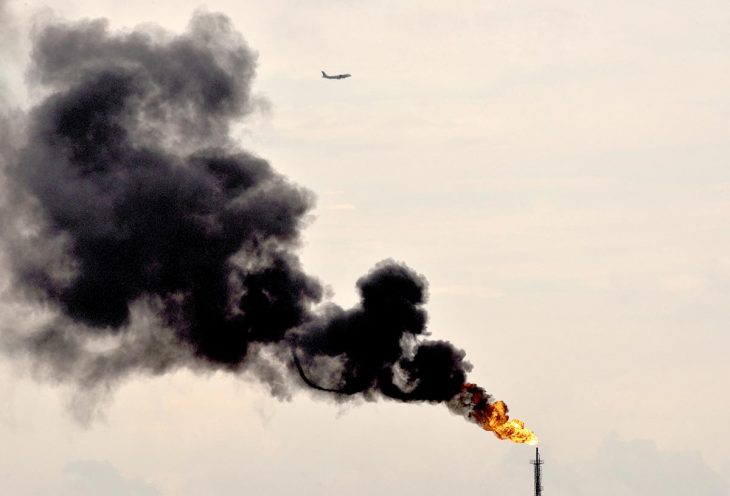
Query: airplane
point(336, 76)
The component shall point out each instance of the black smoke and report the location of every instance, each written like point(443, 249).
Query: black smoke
point(157, 242)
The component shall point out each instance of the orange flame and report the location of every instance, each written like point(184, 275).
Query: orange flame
point(499, 422)
point(474, 403)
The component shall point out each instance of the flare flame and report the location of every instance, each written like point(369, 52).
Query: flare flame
point(474, 404)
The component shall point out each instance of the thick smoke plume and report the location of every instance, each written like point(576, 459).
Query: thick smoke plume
point(155, 242)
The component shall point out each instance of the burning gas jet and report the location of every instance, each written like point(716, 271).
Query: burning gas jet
point(476, 405)
point(336, 76)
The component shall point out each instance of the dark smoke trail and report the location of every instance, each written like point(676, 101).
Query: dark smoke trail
point(158, 243)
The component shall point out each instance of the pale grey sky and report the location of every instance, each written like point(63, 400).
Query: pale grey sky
point(557, 170)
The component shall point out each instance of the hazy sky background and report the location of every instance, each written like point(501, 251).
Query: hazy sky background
point(557, 170)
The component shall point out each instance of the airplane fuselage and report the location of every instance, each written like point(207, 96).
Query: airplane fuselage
point(335, 76)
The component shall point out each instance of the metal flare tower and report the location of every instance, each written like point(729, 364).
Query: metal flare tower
point(537, 462)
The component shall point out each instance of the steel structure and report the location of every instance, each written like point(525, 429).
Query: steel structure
point(537, 462)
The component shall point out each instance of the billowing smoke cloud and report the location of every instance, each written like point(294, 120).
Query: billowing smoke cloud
point(156, 242)
point(374, 347)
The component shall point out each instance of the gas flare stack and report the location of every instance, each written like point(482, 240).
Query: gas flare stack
point(537, 462)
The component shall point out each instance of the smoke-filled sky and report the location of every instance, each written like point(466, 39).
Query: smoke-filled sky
point(553, 177)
